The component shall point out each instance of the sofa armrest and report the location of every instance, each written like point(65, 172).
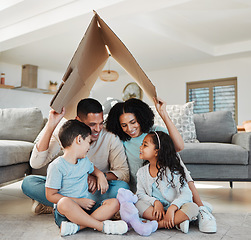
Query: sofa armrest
point(243, 139)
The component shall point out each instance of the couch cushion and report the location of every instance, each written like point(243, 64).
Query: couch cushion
point(215, 126)
point(212, 172)
point(13, 172)
point(20, 123)
point(13, 152)
point(182, 117)
point(214, 153)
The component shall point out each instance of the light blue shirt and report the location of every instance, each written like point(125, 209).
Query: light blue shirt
point(70, 179)
point(157, 194)
point(132, 152)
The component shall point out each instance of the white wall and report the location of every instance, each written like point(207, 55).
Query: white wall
point(13, 75)
point(20, 99)
point(170, 84)
point(45, 76)
point(175, 80)
point(10, 98)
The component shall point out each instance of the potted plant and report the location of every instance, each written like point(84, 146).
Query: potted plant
point(53, 86)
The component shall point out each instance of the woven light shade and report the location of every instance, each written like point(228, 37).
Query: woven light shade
point(109, 75)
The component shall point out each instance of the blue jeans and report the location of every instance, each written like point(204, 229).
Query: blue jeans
point(59, 218)
point(33, 186)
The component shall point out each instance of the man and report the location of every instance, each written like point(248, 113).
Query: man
point(106, 153)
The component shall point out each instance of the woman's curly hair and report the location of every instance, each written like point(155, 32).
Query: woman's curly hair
point(167, 157)
point(142, 112)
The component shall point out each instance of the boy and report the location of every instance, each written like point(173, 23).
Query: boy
point(66, 186)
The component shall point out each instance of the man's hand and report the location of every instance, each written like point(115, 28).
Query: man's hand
point(86, 203)
point(53, 120)
point(92, 184)
point(102, 183)
point(158, 210)
point(54, 117)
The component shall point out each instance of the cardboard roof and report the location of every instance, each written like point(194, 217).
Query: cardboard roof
point(87, 63)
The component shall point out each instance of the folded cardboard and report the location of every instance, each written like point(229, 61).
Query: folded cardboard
point(87, 63)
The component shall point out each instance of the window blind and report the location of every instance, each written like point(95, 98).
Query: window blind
point(224, 98)
point(200, 96)
point(214, 95)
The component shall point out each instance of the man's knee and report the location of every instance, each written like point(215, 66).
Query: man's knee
point(31, 182)
point(26, 184)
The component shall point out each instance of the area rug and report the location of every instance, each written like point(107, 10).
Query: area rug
point(29, 227)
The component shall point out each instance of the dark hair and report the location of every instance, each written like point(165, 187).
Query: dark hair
point(167, 157)
point(70, 130)
point(142, 112)
point(88, 105)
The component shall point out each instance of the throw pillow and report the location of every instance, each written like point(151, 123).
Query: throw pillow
point(216, 126)
point(182, 117)
point(108, 104)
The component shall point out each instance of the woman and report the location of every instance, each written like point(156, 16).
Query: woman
point(132, 120)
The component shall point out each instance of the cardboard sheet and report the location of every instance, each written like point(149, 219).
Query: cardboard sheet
point(87, 63)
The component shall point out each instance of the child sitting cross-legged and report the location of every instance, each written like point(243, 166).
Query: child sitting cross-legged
point(66, 186)
point(162, 189)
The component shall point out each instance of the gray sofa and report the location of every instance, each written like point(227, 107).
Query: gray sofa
point(18, 129)
point(222, 154)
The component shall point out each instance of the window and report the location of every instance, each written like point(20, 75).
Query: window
point(214, 95)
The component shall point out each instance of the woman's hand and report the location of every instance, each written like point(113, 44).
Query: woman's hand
point(158, 210)
point(160, 106)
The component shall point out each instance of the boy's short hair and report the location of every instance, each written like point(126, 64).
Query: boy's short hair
point(70, 130)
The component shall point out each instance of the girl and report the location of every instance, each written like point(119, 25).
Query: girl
point(162, 188)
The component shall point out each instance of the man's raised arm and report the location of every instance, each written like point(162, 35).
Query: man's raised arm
point(47, 145)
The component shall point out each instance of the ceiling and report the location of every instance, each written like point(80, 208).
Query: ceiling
point(160, 34)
